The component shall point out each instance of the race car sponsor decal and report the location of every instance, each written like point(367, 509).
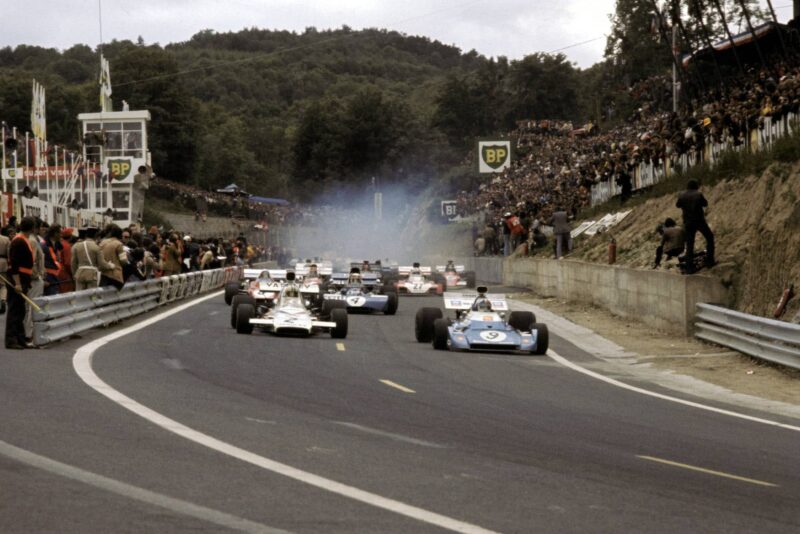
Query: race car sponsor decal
point(493, 336)
point(356, 301)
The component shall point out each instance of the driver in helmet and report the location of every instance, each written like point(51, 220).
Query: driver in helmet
point(482, 304)
point(355, 278)
point(365, 266)
point(415, 269)
point(450, 267)
point(313, 272)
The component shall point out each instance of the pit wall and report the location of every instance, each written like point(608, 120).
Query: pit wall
point(664, 300)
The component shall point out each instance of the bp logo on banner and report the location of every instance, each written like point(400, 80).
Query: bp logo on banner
point(494, 156)
point(119, 169)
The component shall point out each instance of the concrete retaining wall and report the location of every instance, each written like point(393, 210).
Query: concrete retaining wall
point(664, 300)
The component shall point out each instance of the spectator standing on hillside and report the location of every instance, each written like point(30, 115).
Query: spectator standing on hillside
point(561, 232)
point(673, 241)
point(692, 203)
point(490, 238)
point(506, 234)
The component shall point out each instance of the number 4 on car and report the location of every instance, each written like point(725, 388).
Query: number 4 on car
point(481, 324)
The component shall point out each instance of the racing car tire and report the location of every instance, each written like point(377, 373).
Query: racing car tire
point(237, 301)
point(542, 339)
point(231, 289)
point(339, 316)
point(391, 303)
point(329, 305)
point(440, 334)
point(244, 313)
point(423, 323)
point(470, 277)
point(521, 320)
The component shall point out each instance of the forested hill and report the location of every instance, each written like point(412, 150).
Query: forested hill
point(271, 110)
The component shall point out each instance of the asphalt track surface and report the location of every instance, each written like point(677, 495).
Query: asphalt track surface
point(505, 443)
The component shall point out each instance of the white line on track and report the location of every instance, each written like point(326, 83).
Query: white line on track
point(707, 471)
point(132, 492)
point(82, 363)
point(390, 435)
point(575, 367)
point(183, 332)
point(395, 385)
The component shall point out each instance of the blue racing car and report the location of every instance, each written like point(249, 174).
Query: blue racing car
point(481, 324)
point(361, 293)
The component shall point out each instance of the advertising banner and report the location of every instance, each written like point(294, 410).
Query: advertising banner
point(494, 156)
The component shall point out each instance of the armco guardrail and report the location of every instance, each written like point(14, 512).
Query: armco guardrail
point(766, 339)
point(65, 315)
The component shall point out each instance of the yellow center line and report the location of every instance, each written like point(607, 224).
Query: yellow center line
point(340, 347)
point(397, 386)
point(708, 471)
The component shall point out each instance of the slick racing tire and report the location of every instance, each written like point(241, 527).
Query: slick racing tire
point(521, 320)
point(237, 301)
point(542, 339)
point(423, 323)
point(244, 313)
point(329, 305)
point(339, 316)
point(440, 334)
point(231, 289)
point(391, 304)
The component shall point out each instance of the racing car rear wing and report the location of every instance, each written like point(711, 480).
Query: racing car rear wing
point(442, 268)
point(464, 301)
point(252, 274)
point(302, 269)
point(405, 271)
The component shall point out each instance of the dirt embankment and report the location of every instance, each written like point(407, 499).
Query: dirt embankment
point(756, 223)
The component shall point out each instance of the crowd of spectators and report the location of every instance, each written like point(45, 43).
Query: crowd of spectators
point(61, 261)
point(557, 164)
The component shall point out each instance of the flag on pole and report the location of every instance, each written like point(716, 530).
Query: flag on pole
point(105, 85)
point(38, 112)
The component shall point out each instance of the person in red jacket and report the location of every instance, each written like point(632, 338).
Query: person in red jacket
point(66, 284)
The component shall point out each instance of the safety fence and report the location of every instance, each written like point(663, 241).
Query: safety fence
point(648, 174)
point(68, 314)
point(766, 339)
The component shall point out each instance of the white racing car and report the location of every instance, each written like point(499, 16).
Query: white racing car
point(291, 316)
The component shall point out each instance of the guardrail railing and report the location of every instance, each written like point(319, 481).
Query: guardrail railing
point(766, 339)
point(68, 314)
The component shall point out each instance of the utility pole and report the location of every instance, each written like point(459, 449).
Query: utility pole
point(675, 84)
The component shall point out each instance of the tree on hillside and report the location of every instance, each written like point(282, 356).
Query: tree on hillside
point(543, 86)
point(142, 76)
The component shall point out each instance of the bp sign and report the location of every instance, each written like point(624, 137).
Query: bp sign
point(494, 156)
point(119, 169)
point(449, 209)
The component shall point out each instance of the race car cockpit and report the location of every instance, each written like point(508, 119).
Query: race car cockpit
point(264, 276)
point(482, 304)
point(290, 296)
point(354, 280)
